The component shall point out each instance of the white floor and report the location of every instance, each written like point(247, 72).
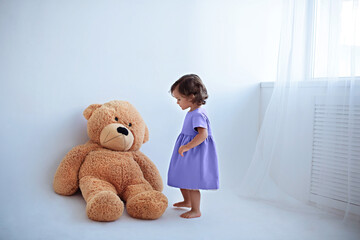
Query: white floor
point(225, 215)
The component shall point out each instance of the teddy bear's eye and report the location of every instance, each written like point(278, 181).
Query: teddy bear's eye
point(116, 119)
point(130, 124)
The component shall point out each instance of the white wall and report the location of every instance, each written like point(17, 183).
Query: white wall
point(58, 57)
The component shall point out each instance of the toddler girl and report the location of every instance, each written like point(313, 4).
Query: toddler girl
point(194, 162)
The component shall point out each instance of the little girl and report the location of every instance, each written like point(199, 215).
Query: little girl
point(194, 163)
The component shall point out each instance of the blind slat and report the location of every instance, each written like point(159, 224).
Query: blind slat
point(335, 168)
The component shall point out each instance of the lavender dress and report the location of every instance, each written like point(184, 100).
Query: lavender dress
point(198, 169)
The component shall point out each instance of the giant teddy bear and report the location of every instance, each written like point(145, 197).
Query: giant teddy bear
point(109, 169)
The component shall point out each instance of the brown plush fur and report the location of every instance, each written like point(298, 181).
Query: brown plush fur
point(107, 177)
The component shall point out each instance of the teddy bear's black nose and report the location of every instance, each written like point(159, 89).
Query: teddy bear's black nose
point(123, 131)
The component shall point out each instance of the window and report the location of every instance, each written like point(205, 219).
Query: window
point(336, 46)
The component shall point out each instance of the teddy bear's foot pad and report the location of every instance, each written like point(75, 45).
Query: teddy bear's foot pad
point(105, 206)
point(147, 205)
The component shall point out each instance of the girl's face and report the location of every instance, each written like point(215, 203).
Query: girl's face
point(182, 101)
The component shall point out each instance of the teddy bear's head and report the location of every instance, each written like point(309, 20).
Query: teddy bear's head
point(116, 125)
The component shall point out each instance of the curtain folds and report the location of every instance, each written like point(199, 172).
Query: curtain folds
point(308, 146)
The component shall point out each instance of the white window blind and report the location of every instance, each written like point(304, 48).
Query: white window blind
point(335, 172)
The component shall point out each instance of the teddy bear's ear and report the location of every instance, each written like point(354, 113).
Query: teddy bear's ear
point(146, 136)
point(90, 109)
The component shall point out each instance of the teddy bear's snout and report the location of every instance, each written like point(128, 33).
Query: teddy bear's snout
point(116, 137)
point(122, 131)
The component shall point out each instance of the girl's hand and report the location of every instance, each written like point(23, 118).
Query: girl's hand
point(183, 149)
point(198, 139)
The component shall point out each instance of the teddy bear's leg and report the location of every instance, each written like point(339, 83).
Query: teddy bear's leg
point(143, 202)
point(103, 203)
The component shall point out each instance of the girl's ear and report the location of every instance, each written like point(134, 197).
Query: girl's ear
point(90, 109)
point(189, 97)
point(146, 136)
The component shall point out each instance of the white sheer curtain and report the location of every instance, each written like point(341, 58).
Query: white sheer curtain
point(308, 146)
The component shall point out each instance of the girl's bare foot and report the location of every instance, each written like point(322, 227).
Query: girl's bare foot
point(182, 204)
point(191, 214)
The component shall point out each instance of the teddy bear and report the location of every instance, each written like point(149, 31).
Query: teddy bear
point(109, 169)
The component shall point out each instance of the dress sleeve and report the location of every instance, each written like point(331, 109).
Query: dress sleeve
point(199, 120)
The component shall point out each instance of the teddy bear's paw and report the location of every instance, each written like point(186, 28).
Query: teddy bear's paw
point(147, 205)
point(105, 206)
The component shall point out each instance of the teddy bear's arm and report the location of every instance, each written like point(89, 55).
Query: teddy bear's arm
point(66, 180)
point(151, 173)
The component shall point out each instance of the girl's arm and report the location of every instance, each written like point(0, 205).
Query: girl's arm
point(198, 139)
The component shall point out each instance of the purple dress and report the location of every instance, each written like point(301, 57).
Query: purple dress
point(198, 169)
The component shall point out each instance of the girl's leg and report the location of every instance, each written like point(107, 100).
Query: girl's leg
point(187, 199)
point(195, 205)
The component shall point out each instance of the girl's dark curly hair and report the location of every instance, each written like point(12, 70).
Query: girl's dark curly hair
point(191, 84)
